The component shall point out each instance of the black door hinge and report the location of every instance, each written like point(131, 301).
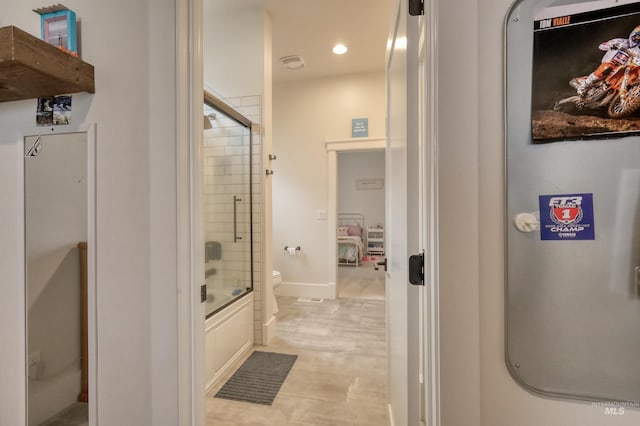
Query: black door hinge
point(416, 7)
point(416, 269)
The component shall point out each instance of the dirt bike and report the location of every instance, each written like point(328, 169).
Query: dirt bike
point(619, 91)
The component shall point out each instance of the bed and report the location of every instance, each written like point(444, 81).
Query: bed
point(349, 237)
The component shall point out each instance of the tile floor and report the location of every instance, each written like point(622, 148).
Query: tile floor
point(363, 282)
point(340, 375)
point(74, 415)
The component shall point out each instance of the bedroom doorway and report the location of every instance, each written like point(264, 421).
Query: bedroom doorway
point(361, 224)
point(356, 156)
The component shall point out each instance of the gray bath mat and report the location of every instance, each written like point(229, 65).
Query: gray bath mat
point(259, 378)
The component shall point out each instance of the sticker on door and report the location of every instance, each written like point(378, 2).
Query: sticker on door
point(566, 217)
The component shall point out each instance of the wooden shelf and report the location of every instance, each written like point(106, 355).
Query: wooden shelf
point(31, 68)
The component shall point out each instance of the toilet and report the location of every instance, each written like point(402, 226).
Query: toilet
point(276, 279)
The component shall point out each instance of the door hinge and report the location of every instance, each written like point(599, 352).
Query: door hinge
point(416, 269)
point(416, 7)
point(203, 293)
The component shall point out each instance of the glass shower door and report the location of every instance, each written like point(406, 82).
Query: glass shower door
point(227, 205)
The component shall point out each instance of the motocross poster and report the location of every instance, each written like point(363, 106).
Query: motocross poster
point(586, 73)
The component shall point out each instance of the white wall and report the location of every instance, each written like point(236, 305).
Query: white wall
point(269, 302)
point(306, 114)
point(458, 216)
point(353, 166)
point(134, 108)
point(476, 387)
point(234, 48)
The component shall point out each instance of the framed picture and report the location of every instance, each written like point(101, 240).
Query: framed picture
point(58, 28)
point(366, 184)
point(54, 111)
point(586, 72)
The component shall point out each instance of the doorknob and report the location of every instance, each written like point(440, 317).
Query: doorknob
point(383, 263)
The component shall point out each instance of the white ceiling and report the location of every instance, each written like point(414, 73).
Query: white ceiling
point(310, 28)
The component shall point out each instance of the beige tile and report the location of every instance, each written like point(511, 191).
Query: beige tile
point(340, 375)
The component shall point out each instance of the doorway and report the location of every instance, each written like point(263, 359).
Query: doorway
point(334, 149)
point(361, 217)
point(311, 223)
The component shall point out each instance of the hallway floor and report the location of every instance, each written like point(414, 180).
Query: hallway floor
point(340, 375)
point(363, 282)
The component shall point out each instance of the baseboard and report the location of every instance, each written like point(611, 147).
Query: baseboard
point(231, 362)
point(323, 291)
point(269, 330)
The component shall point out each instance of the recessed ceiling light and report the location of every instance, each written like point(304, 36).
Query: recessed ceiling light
point(340, 49)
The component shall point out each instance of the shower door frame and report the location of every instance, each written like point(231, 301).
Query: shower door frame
point(219, 105)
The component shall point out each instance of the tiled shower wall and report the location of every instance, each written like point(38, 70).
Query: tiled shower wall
point(226, 173)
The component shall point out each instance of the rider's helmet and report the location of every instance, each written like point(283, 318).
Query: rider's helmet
point(634, 37)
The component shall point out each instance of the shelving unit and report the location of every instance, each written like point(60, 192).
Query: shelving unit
point(375, 241)
point(31, 68)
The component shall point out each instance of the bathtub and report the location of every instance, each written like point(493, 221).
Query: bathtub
point(228, 335)
point(217, 297)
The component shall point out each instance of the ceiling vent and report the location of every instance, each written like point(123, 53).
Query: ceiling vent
point(292, 62)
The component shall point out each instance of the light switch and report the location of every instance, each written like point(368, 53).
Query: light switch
point(321, 214)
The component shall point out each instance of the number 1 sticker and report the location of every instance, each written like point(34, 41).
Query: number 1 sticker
point(566, 217)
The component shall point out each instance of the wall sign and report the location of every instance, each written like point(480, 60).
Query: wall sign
point(359, 127)
point(376, 183)
point(566, 217)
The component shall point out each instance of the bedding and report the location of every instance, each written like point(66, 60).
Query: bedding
point(350, 249)
point(349, 236)
point(354, 230)
point(342, 231)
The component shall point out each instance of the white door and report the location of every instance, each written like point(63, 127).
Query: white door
point(403, 236)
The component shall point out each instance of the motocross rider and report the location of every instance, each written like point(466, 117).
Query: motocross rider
point(612, 58)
